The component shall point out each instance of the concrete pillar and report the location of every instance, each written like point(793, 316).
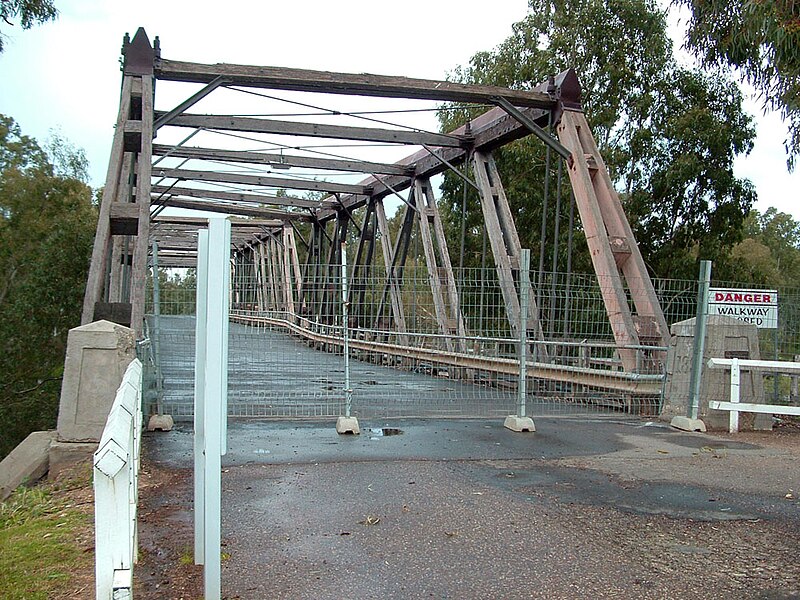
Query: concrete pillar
point(97, 355)
point(725, 338)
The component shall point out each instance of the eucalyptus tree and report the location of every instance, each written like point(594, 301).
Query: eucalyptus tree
point(761, 40)
point(47, 223)
point(27, 13)
point(669, 134)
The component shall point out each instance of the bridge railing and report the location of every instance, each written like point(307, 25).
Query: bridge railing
point(116, 469)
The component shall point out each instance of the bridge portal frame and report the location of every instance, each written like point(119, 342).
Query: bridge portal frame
point(132, 201)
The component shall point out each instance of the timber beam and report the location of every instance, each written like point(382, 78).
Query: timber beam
point(491, 130)
point(263, 181)
point(199, 222)
point(231, 209)
point(354, 84)
point(258, 199)
point(318, 130)
point(283, 161)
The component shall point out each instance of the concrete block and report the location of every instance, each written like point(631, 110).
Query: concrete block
point(687, 424)
point(27, 463)
point(65, 454)
point(97, 356)
point(347, 425)
point(519, 424)
point(160, 423)
point(726, 337)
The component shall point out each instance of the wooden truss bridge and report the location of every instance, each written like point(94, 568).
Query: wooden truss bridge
point(268, 242)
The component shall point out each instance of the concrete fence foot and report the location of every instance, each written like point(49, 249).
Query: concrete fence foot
point(347, 425)
point(519, 424)
point(687, 424)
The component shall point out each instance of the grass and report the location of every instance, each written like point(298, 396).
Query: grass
point(44, 535)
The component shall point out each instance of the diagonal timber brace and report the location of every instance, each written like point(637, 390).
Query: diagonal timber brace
point(506, 247)
point(440, 271)
point(615, 254)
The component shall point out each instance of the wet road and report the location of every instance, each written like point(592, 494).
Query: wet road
point(467, 509)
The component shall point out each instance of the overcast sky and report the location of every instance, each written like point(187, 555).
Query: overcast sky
point(65, 75)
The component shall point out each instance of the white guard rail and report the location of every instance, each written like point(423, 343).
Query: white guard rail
point(116, 470)
point(734, 406)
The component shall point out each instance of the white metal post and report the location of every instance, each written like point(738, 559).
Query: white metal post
point(199, 394)
point(519, 422)
point(157, 328)
point(219, 235)
point(733, 416)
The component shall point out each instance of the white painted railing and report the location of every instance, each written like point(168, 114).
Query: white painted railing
point(116, 471)
point(734, 406)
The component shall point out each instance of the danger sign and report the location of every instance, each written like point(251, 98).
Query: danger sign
point(759, 307)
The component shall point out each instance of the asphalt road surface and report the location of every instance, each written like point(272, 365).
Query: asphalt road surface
point(581, 508)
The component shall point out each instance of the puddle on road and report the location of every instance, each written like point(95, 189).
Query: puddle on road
point(379, 432)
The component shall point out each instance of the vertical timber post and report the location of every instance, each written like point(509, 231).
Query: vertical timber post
point(106, 295)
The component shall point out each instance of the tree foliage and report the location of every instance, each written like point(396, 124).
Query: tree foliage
point(760, 38)
point(669, 135)
point(27, 12)
point(47, 224)
point(769, 254)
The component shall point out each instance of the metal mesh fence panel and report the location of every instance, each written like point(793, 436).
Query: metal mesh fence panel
point(424, 344)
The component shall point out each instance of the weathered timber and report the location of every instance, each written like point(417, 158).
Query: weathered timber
point(142, 197)
point(119, 262)
point(97, 268)
point(124, 218)
point(604, 221)
point(198, 222)
point(188, 103)
point(259, 199)
point(435, 281)
point(282, 160)
point(490, 130)
point(320, 130)
point(361, 84)
point(234, 209)
point(394, 259)
point(288, 288)
point(505, 244)
point(445, 268)
point(263, 181)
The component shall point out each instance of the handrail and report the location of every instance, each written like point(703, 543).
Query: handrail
point(736, 365)
point(634, 383)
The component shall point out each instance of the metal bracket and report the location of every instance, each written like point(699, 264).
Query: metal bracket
point(549, 140)
point(450, 166)
point(190, 101)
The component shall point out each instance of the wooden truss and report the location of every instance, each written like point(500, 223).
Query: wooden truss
point(264, 244)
